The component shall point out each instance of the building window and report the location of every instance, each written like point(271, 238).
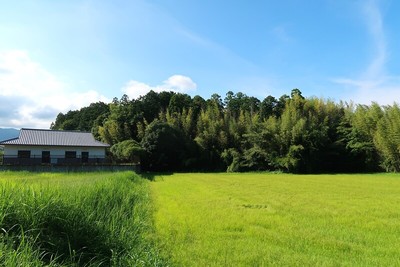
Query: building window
point(45, 156)
point(24, 154)
point(85, 157)
point(70, 154)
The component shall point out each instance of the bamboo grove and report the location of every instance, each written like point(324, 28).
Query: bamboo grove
point(170, 131)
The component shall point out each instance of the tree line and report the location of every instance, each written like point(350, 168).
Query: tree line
point(170, 131)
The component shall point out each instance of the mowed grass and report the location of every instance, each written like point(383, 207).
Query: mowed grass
point(76, 219)
point(278, 219)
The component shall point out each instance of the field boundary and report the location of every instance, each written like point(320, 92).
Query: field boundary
point(70, 168)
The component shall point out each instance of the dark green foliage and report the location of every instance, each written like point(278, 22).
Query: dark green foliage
point(241, 133)
point(152, 103)
point(164, 147)
point(387, 138)
point(212, 135)
point(357, 130)
point(128, 151)
point(82, 120)
point(235, 103)
point(179, 102)
point(268, 107)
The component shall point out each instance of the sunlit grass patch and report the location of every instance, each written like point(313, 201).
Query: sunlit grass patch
point(279, 219)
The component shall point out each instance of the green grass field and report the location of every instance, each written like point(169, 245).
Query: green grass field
point(278, 219)
point(92, 219)
point(258, 219)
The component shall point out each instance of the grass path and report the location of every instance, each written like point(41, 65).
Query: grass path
point(278, 219)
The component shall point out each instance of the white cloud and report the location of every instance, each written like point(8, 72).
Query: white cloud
point(179, 83)
point(31, 96)
point(134, 89)
point(175, 83)
point(374, 84)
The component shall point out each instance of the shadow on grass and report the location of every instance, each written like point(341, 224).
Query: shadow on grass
point(152, 175)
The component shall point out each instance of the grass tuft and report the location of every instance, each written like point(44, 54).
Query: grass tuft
point(99, 219)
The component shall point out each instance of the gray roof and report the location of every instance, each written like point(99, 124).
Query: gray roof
point(38, 137)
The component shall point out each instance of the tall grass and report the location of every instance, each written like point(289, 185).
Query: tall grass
point(93, 219)
point(279, 219)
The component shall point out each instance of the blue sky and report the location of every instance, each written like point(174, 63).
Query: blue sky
point(62, 55)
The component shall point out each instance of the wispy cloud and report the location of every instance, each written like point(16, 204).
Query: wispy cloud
point(31, 96)
point(374, 83)
point(221, 52)
point(198, 40)
point(282, 34)
point(175, 83)
point(376, 28)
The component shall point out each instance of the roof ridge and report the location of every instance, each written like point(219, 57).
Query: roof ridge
point(50, 130)
point(54, 138)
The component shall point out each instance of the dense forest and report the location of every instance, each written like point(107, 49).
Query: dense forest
point(170, 131)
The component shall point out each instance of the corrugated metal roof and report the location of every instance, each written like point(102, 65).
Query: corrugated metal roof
point(39, 137)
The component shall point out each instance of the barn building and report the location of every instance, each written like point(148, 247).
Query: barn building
point(53, 147)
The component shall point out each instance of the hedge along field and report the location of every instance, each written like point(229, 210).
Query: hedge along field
point(78, 219)
point(279, 219)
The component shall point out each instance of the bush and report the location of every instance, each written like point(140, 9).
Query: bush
point(164, 147)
